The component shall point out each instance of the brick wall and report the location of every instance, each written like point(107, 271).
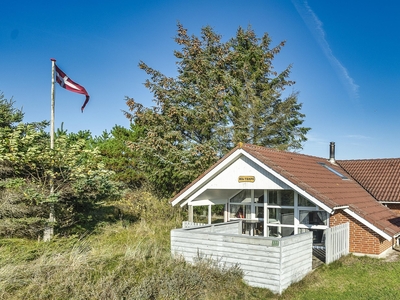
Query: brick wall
point(362, 239)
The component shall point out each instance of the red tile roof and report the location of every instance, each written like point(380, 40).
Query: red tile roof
point(380, 177)
point(307, 173)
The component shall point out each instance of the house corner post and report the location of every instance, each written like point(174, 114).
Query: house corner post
point(190, 211)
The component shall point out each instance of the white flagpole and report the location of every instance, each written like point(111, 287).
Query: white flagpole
point(53, 71)
point(49, 230)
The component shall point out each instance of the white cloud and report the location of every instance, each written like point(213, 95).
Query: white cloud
point(315, 25)
point(358, 137)
point(315, 139)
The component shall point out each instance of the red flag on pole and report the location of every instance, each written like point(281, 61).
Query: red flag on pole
point(68, 84)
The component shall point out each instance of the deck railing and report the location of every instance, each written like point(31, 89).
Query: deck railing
point(337, 242)
point(267, 262)
point(187, 224)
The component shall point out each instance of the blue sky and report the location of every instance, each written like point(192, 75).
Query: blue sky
point(344, 57)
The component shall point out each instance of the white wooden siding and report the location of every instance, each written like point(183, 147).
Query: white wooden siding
point(272, 263)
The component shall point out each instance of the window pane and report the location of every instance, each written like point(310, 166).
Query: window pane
point(259, 229)
point(258, 196)
point(303, 201)
point(273, 231)
point(243, 197)
point(253, 228)
point(287, 198)
point(247, 211)
point(240, 211)
point(273, 197)
point(286, 231)
point(313, 217)
point(280, 231)
point(259, 211)
point(284, 197)
point(236, 211)
point(281, 216)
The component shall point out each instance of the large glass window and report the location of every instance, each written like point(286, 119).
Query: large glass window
point(240, 211)
point(276, 213)
point(303, 201)
point(284, 197)
point(273, 197)
point(242, 197)
point(253, 227)
point(259, 204)
point(281, 216)
point(259, 212)
point(313, 217)
point(280, 231)
point(287, 198)
point(240, 205)
point(259, 196)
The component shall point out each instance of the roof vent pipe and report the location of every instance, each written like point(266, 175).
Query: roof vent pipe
point(332, 153)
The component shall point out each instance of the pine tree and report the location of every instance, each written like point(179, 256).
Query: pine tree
point(224, 93)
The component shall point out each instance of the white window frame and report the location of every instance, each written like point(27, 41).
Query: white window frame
point(296, 210)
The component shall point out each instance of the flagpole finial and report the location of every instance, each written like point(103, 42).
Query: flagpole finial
point(52, 59)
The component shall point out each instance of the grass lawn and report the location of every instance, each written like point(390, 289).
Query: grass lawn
point(351, 277)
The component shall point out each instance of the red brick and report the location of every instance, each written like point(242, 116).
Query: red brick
point(362, 239)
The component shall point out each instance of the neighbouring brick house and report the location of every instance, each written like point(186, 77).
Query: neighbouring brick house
point(279, 193)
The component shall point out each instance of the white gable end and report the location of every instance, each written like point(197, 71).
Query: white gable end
point(226, 184)
point(244, 167)
point(222, 183)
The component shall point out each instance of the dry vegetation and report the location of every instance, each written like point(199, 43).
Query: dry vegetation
point(127, 260)
point(131, 260)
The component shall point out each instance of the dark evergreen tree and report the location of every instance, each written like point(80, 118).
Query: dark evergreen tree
point(118, 157)
point(224, 93)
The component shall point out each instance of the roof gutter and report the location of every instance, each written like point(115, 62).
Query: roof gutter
point(355, 216)
point(369, 225)
point(339, 207)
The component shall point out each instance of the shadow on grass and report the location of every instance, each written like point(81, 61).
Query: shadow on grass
point(91, 216)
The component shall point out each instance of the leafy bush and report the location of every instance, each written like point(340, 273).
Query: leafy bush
point(30, 170)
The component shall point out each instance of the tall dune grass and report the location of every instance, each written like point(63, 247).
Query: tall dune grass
point(127, 260)
point(131, 259)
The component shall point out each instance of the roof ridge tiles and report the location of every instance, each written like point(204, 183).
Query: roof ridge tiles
point(370, 159)
point(264, 148)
